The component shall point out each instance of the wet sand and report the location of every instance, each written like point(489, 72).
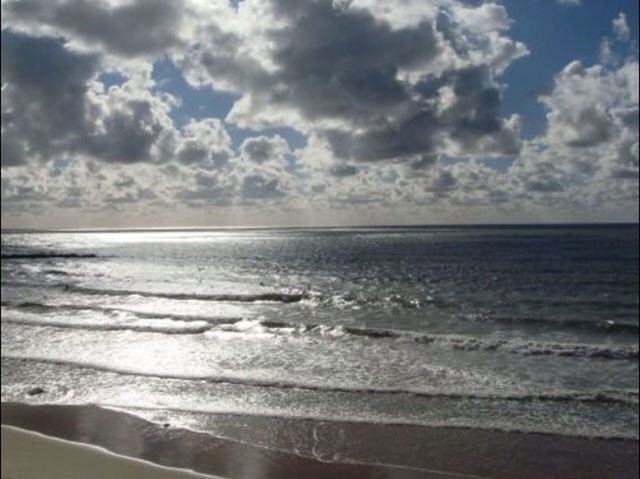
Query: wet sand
point(383, 451)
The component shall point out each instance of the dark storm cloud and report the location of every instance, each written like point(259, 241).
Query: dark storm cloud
point(136, 28)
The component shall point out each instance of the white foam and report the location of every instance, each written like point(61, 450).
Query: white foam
point(122, 322)
point(613, 396)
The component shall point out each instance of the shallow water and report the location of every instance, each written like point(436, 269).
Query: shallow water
point(514, 328)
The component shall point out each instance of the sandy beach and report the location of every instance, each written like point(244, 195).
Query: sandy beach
point(31, 455)
point(400, 451)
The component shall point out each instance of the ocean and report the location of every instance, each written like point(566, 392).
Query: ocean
point(511, 328)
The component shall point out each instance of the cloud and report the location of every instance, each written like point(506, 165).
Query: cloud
point(614, 51)
point(570, 3)
point(127, 28)
point(400, 104)
point(443, 182)
point(377, 87)
point(44, 96)
point(263, 149)
point(589, 153)
point(364, 81)
point(590, 106)
point(54, 106)
point(257, 187)
point(132, 125)
point(342, 170)
point(205, 143)
point(621, 27)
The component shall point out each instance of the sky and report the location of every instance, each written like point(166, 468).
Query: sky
point(159, 113)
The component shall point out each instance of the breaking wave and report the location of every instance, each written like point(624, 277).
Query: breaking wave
point(614, 396)
point(177, 324)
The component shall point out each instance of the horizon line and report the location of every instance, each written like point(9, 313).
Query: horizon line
point(336, 226)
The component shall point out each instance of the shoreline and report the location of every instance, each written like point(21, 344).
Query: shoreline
point(28, 454)
point(131, 436)
point(389, 451)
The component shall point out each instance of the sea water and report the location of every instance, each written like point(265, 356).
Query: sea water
point(527, 328)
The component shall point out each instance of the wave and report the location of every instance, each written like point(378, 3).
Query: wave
point(203, 324)
point(158, 326)
point(113, 319)
point(274, 296)
point(47, 255)
point(56, 272)
point(460, 342)
point(533, 348)
point(142, 411)
point(612, 396)
point(601, 325)
point(315, 299)
point(53, 308)
point(311, 298)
